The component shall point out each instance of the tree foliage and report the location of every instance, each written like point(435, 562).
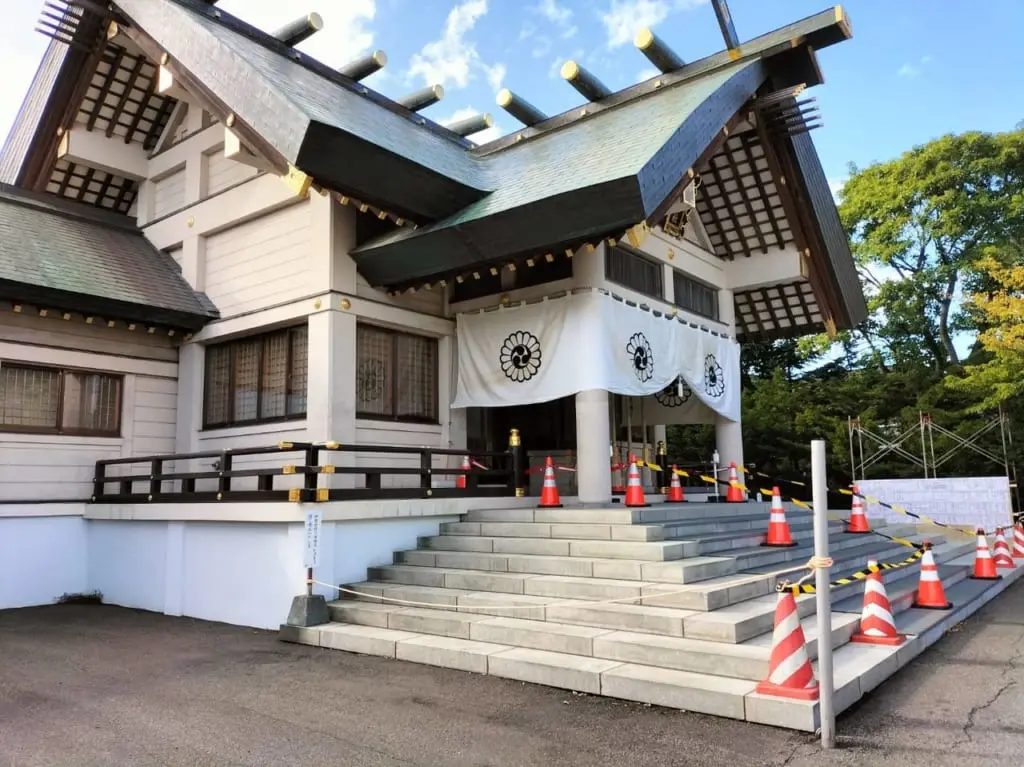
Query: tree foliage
point(938, 235)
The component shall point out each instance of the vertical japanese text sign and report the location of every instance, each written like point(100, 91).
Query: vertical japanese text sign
point(314, 521)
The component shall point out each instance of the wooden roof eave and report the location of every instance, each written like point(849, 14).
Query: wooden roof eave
point(69, 88)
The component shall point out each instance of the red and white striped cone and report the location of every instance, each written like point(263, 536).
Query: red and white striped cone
point(634, 489)
point(1018, 542)
point(778, 527)
point(876, 623)
point(549, 498)
point(858, 519)
point(984, 566)
point(790, 674)
point(1002, 557)
point(461, 481)
point(930, 594)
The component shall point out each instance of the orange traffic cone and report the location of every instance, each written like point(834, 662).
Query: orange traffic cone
point(778, 527)
point(549, 493)
point(790, 674)
point(1002, 557)
point(858, 519)
point(876, 623)
point(733, 494)
point(930, 594)
point(634, 490)
point(675, 489)
point(460, 482)
point(984, 565)
point(1018, 542)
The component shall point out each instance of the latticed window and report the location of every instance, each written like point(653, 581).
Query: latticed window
point(695, 296)
point(260, 378)
point(56, 401)
point(396, 375)
point(633, 271)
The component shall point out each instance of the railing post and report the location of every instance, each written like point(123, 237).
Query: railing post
point(518, 479)
point(224, 480)
point(426, 471)
point(99, 481)
point(156, 468)
point(660, 475)
point(311, 479)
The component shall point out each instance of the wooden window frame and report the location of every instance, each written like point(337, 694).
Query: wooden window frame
point(676, 277)
point(233, 345)
point(432, 420)
point(658, 294)
point(60, 429)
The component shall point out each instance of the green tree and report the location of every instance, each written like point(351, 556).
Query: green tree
point(918, 226)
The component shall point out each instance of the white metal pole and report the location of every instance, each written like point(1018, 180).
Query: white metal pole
point(714, 470)
point(819, 480)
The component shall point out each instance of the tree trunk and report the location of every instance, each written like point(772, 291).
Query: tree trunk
point(945, 304)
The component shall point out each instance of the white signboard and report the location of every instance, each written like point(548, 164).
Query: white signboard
point(963, 501)
point(314, 522)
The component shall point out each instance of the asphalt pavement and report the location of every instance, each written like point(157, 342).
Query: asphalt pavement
point(97, 685)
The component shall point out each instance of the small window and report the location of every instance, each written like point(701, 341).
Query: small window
point(695, 296)
point(396, 375)
point(55, 401)
point(631, 270)
point(256, 379)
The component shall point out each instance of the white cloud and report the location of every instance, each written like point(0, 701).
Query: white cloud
point(346, 34)
point(911, 70)
point(559, 15)
point(625, 17)
point(555, 70)
point(479, 138)
point(452, 60)
point(647, 74)
point(495, 75)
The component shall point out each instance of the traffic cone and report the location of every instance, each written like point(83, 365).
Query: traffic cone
point(460, 482)
point(778, 527)
point(790, 674)
point(858, 519)
point(1018, 542)
point(549, 493)
point(1002, 557)
point(675, 489)
point(733, 494)
point(634, 490)
point(930, 594)
point(984, 565)
point(876, 623)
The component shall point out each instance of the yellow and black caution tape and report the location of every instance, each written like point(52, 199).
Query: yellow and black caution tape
point(809, 588)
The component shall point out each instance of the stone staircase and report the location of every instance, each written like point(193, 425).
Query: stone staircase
point(671, 605)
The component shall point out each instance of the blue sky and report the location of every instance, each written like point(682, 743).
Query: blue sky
point(913, 70)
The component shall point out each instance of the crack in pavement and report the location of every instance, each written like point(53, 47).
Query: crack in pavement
point(1011, 666)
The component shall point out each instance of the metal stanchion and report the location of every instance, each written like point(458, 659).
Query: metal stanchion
point(822, 576)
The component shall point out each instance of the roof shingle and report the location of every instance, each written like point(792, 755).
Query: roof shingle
point(86, 255)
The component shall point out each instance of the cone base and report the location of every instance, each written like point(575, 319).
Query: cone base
point(887, 641)
point(679, 501)
point(947, 606)
point(858, 532)
point(637, 505)
point(789, 545)
point(797, 693)
point(549, 506)
point(985, 577)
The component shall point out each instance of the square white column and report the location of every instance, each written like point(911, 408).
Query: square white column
point(331, 383)
point(593, 445)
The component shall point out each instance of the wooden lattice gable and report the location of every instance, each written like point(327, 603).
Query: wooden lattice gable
point(777, 311)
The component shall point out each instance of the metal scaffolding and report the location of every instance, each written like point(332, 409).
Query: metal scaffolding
point(916, 444)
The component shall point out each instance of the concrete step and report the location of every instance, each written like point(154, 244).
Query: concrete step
point(758, 557)
point(747, 620)
point(588, 515)
point(723, 544)
point(669, 681)
point(560, 530)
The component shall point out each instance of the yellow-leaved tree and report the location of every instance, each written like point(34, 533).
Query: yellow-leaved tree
point(998, 376)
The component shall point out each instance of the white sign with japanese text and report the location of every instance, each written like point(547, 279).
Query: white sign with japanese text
point(963, 501)
point(314, 523)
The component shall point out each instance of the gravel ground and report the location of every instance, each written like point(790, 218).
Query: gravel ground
point(98, 685)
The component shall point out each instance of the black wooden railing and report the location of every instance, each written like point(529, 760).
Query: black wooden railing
point(161, 478)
